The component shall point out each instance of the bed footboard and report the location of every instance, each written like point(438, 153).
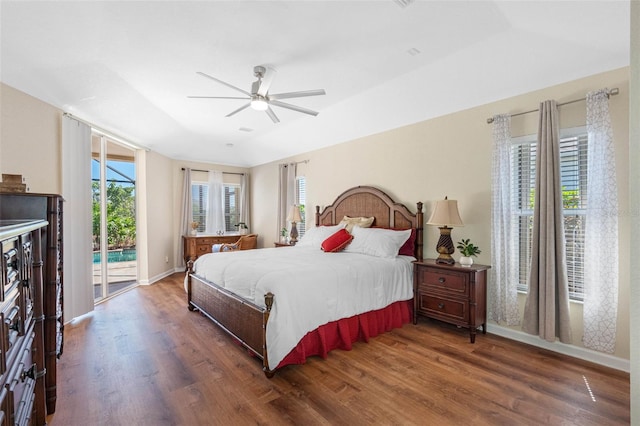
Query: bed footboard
point(243, 320)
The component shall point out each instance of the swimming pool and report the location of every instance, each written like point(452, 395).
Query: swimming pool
point(120, 255)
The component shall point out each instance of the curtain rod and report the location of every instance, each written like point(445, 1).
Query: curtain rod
point(224, 173)
point(106, 133)
point(297, 162)
point(611, 92)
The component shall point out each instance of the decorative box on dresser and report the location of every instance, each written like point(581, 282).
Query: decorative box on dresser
point(47, 207)
point(22, 363)
point(451, 293)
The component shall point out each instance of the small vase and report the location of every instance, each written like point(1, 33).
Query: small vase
point(244, 231)
point(194, 232)
point(466, 261)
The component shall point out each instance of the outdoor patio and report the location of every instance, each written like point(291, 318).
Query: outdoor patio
point(120, 275)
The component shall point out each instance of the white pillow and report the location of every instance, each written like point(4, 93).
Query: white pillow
point(313, 237)
point(377, 241)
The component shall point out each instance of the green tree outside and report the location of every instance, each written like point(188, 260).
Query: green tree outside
point(121, 216)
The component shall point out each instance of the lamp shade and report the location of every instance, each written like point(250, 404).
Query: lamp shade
point(445, 214)
point(294, 214)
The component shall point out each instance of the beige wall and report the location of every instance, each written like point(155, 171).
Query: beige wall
point(30, 140)
point(155, 204)
point(451, 156)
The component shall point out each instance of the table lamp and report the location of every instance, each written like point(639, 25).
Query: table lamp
point(293, 217)
point(445, 215)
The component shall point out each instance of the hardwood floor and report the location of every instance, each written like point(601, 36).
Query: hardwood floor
point(143, 359)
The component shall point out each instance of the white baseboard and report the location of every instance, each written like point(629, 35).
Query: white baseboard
point(156, 278)
point(570, 350)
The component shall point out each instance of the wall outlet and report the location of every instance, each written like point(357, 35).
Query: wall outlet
point(166, 259)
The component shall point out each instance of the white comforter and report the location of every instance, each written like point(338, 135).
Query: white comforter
point(311, 287)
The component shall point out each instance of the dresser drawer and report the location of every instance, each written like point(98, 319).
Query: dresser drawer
point(203, 249)
point(3, 405)
point(12, 328)
point(452, 310)
point(10, 264)
point(21, 383)
point(447, 282)
point(209, 241)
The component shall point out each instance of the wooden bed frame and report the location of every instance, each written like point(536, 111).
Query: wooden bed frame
point(247, 321)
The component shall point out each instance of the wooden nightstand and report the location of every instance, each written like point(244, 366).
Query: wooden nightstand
point(451, 293)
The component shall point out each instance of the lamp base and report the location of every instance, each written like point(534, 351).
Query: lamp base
point(445, 259)
point(445, 247)
point(293, 234)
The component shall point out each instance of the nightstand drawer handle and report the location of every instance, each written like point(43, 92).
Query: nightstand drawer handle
point(440, 305)
point(441, 280)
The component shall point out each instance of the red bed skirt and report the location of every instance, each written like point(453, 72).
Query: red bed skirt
point(343, 333)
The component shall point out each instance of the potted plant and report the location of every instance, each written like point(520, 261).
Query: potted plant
point(283, 235)
point(467, 249)
point(243, 229)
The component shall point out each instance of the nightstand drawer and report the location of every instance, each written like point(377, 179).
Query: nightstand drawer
point(444, 281)
point(447, 309)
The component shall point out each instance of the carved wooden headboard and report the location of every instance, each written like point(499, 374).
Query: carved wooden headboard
point(368, 201)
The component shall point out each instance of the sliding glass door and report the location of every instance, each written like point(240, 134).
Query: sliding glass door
point(114, 217)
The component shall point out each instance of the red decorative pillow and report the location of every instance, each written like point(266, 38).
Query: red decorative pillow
point(337, 241)
point(409, 246)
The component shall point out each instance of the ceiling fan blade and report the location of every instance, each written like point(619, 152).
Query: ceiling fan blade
point(223, 83)
point(269, 75)
point(238, 110)
point(293, 107)
point(300, 94)
point(214, 97)
point(272, 115)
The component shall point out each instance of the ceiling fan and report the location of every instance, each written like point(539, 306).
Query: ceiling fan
point(259, 98)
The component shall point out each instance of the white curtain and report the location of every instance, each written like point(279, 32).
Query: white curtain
point(77, 229)
point(215, 203)
point(503, 279)
point(546, 311)
point(286, 193)
point(244, 200)
point(186, 212)
point(601, 231)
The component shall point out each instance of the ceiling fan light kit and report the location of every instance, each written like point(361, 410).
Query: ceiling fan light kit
point(259, 103)
point(259, 97)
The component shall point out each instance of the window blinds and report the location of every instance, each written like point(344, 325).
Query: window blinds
point(573, 169)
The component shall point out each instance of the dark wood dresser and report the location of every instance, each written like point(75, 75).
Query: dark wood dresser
point(47, 207)
point(22, 363)
point(451, 293)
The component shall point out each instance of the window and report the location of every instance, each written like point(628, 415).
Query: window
point(301, 199)
point(199, 194)
point(231, 207)
point(573, 170)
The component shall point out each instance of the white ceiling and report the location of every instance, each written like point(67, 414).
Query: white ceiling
point(128, 67)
